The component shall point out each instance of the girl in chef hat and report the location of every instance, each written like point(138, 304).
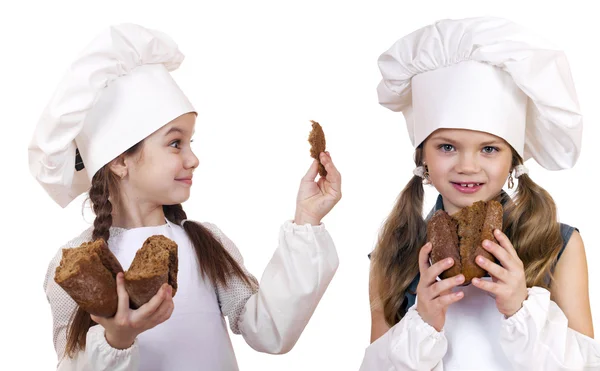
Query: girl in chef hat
point(119, 127)
point(481, 96)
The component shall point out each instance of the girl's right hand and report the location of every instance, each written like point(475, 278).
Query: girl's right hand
point(122, 329)
point(434, 297)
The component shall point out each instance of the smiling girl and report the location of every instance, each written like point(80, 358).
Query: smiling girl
point(119, 127)
point(480, 96)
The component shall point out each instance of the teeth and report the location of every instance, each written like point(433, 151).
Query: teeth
point(471, 185)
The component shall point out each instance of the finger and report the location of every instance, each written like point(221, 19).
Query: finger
point(492, 268)
point(436, 269)
point(151, 306)
point(505, 243)
point(446, 285)
point(333, 175)
point(486, 285)
point(123, 304)
point(500, 253)
point(312, 172)
point(164, 310)
point(424, 258)
point(447, 299)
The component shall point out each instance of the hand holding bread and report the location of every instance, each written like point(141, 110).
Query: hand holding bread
point(88, 274)
point(122, 329)
point(434, 297)
point(316, 198)
point(509, 284)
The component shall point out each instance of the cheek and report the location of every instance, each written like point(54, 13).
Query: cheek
point(440, 167)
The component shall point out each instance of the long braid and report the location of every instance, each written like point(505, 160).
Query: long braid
point(99, 196)
point(101, 205)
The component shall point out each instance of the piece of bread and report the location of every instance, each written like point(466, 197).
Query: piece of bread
point(460, 236)
point(154, 264)
point(316, 138)
point(88, 274)
point(441, 232)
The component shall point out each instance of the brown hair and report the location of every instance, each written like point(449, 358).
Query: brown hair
point(530, 222)
point(215, 262)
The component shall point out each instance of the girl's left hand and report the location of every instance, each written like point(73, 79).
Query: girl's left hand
point(316, 199)
point(508, 284)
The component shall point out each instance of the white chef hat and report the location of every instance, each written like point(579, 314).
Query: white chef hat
point(117, 92)
point(485, 74)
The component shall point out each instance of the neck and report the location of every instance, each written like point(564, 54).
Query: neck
point(130, 214)
point(450, 209)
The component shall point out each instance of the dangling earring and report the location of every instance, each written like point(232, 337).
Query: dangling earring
point(426, 179)
point(511, 181)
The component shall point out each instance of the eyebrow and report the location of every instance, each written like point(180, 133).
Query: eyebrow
point(484, 144)
point(443, 139)
point(175, 129)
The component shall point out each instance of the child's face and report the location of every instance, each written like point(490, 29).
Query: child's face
point(457, 156)
point(162, 173)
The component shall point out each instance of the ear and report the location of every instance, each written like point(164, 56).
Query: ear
point(119, 167)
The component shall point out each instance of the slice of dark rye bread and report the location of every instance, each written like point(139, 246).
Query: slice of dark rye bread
point(460, 237)
point(155, 263)
point(87, 273)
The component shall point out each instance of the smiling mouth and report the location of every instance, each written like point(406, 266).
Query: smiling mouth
point(468, 185)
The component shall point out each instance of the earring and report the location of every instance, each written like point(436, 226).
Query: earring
point(511, 181)
point(426, 179)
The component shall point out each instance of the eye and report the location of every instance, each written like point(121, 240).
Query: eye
point(175, 144)
point(489, 149)
point(446, 147)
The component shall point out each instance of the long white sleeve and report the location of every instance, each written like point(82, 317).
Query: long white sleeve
point(412, 344)
point(537, 337)
point(272, 315)
point(98, 354)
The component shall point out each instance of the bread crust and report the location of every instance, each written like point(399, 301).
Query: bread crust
point(316, 138)
point(87, 273)
point(154, 264)
point(460, 237)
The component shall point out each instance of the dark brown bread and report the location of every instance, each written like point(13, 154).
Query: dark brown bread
point(155, 263)
point(441, 232)
point(470, 226)
point(87, 273)
point(316, 138)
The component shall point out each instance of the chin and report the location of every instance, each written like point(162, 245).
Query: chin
point(176, 199)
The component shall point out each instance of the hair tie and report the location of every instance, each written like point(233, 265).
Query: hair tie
point(520, 170)
point(419, 171)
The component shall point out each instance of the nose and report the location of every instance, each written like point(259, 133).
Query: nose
point(468, 164)
point(191, 161)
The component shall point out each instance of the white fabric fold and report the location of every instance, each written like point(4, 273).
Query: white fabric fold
point(537, 337)
point(412, 344)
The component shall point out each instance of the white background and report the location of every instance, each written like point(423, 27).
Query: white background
point(257, 72)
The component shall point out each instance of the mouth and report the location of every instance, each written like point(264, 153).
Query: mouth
point(187, 180)
point(467, 187)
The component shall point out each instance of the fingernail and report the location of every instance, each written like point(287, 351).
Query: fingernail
point(475, 280)
point(458, 294)
point(486, 243)
point(449, 261)
point(480, 259)
point(460, 278)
